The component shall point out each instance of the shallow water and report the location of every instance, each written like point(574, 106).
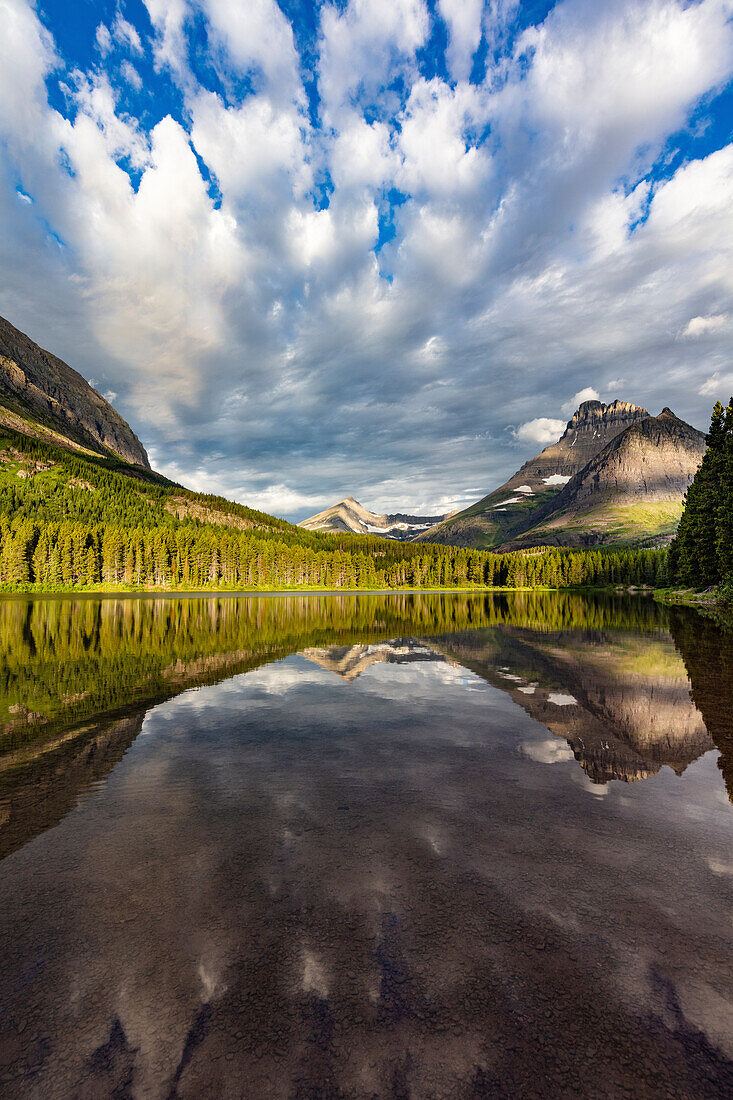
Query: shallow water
point(324, 846)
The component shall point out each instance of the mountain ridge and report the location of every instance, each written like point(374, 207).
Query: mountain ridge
point(506, 511)
point(349, 515)
point(651, 463)
point(42, 396)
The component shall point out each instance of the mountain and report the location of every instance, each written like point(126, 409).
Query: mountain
point(633, 490)
point(622, 703)
point(617, 475)
point(511, 508)
point(349, 515)
point(349, 662)
point(43, 397)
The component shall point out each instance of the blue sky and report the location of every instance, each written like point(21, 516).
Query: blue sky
point(374, 247)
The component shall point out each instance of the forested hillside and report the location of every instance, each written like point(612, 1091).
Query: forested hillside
point(702, 553)
point(69, 521)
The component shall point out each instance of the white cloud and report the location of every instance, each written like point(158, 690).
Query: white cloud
point(256, 150)
point(603, 69)
point(720, 866)
point(126, 35)
point(711, 325)
point(256, 36)
point(586, 394)
point(463, 19)
point(547, 752)
point(719, 386)
point(363, 46)
point(103, 39)
point(540, 430)
point(169, 18)
point(437, 159)
point(27, 53)
point(362, 155)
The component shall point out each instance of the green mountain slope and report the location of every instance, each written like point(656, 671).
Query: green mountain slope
point(78, 516)
point(617, 476)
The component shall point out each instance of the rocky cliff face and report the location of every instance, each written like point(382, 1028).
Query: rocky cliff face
point(38, 387)
point(623, 707)
point(654, 460)
point(589, 430)
point(348, 662)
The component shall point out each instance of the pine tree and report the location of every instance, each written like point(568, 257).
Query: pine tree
point(702, 551)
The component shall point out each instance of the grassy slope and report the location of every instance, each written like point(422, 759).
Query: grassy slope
point(644, 523)
point(483, 527)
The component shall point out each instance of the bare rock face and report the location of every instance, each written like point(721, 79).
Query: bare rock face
point(624, 709)
point(588, 431)
point(654, 460)
point(36, 385)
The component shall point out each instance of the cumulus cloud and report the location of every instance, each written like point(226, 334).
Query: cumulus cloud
point(540, 430)
point(719, 386)
point(704, 326)
point(586, 394)
point(463, 19)
point(328, 269)
point(547, 752)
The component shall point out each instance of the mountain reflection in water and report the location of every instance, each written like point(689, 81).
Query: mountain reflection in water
point(348, 846)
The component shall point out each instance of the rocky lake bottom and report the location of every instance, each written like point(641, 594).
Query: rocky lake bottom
point(365, 846)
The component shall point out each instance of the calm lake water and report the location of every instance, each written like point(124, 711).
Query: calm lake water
point(365, 846)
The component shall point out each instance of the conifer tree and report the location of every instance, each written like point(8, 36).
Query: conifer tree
point(702, 551)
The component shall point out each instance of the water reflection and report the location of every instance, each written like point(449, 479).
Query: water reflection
point(345, 848)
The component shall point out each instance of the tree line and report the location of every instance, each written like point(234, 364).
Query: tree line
point(70, 555)
point(701, 555)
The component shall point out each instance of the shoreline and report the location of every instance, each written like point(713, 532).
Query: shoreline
point(706, 602)
point(691, 597)
point(150, 593)
point(304, 591)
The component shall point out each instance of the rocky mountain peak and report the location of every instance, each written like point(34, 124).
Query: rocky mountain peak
point(350, 515)
point(594, 411)
point(590, 428)
point(548, 481)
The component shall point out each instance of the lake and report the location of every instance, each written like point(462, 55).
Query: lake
point(429, 845)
